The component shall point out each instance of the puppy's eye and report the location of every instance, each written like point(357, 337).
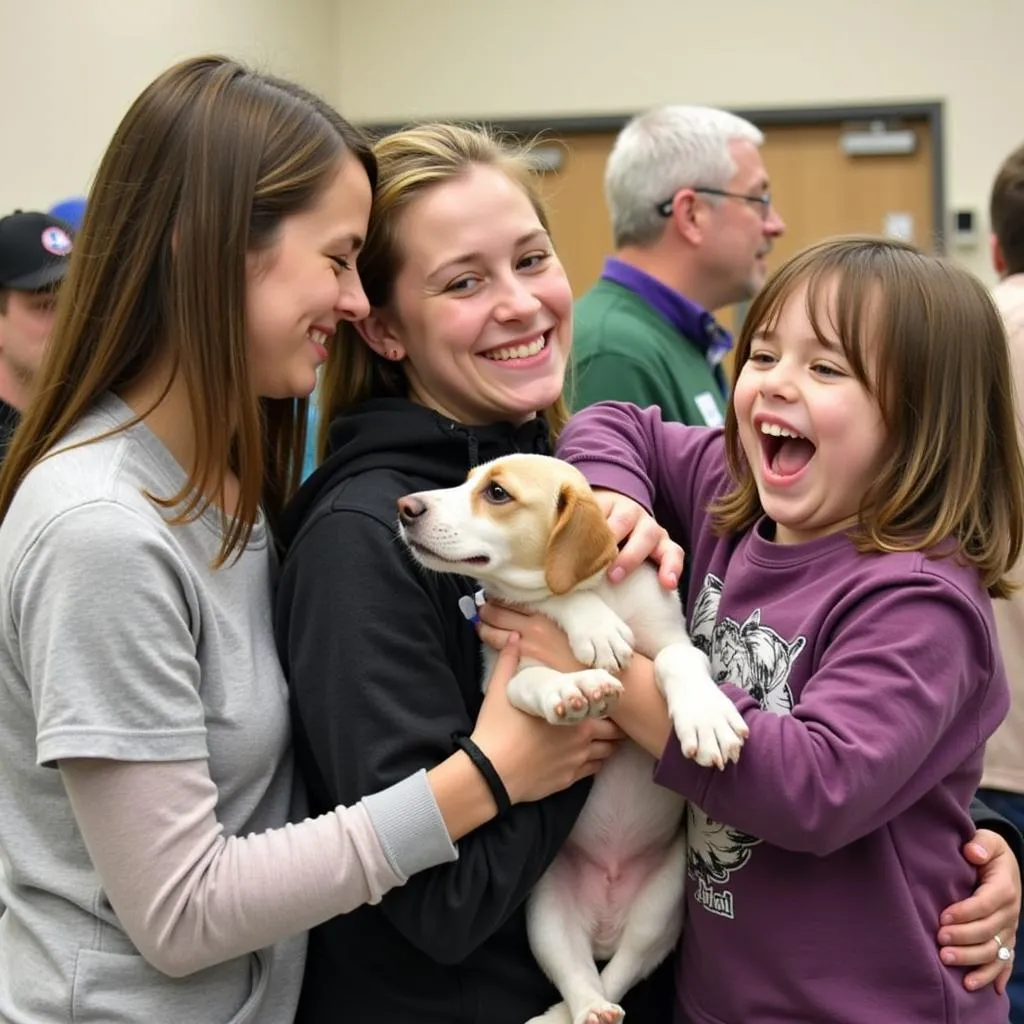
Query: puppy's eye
point(496, 494)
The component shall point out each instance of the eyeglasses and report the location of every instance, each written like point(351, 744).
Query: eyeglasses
point(764, 200)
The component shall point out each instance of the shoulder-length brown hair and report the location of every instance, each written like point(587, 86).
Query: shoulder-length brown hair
point(200, 173)
point(924, 337)
point(410, 162)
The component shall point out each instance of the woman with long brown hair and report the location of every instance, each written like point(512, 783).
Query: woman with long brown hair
point(145, 769)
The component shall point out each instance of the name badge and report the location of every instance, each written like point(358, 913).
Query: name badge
point(709, 409)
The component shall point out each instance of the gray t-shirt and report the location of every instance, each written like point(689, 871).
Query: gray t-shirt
point(118, 641)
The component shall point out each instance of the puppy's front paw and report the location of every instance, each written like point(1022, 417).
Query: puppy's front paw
point(579, 695)
point(601, 1013)
point(601, 688)
point(710, 729)
point(606, 642)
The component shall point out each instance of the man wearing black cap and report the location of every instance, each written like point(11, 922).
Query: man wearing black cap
point(34, 253)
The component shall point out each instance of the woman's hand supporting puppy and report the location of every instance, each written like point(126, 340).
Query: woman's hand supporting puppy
point(640, 710)
point(532, 758)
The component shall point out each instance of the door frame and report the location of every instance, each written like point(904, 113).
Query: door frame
point(765, 118)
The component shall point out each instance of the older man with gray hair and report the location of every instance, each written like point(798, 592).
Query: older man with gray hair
point(692, 221)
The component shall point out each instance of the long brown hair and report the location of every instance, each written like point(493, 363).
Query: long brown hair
point(200, 173)
point(410, 162)
point(923, 336)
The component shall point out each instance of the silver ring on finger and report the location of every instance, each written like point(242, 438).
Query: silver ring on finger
point(1003, 952)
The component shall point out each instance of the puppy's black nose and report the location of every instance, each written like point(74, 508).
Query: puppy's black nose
point(411, 507)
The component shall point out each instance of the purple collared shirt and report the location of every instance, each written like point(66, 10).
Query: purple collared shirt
point(691, 320)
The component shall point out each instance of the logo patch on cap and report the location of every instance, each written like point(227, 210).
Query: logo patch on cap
point(56, 241)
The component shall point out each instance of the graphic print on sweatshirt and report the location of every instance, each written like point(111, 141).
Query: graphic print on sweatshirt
point(756, 658)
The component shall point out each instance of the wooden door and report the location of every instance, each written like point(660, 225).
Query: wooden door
point(820, 191)
point(817, 188)
point(574, 194)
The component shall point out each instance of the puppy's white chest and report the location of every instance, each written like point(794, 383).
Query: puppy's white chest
point(625, 813)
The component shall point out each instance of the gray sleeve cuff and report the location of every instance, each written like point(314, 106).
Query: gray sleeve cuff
point(409, 825)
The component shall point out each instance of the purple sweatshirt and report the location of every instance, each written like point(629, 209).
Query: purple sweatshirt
point(818, 865)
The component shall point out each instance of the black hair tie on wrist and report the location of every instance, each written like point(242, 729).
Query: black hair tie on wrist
point(486, 769)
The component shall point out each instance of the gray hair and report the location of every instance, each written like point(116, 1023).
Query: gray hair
point(662, 151)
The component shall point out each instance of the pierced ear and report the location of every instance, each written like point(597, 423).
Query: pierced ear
point(581, 542)
point(377, 331)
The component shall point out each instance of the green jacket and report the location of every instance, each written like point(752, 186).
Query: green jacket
point(626, 351)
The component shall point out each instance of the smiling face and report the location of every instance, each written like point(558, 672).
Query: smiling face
point(812, 433)
point(481, 313)
point(306, 285)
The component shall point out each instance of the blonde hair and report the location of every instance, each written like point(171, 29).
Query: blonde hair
point(941, 376)
point(200, 173)
point(410, 162)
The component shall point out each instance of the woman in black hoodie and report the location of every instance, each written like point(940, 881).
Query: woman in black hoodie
point(462, 360)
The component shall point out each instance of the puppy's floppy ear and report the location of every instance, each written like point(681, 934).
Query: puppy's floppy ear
point(581, 542)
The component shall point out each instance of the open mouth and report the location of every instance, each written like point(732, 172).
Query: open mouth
point(518, 353)
point(425, 552)
point(785, 452)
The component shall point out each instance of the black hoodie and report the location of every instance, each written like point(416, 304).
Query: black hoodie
point(382, 669)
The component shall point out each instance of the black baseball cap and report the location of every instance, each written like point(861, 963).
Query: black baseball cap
point(35, 249)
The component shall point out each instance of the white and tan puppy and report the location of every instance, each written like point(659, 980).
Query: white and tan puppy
point(528, 528)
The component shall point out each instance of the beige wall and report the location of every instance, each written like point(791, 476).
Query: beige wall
point(70, 68)
point(402, 59)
